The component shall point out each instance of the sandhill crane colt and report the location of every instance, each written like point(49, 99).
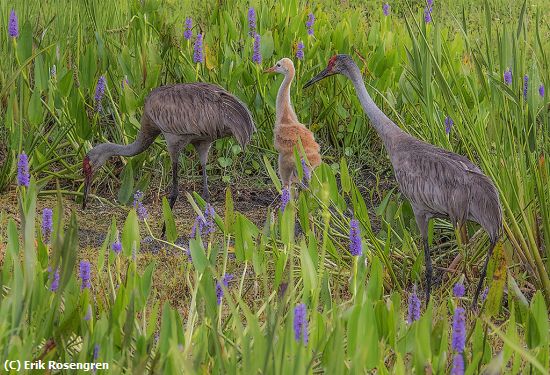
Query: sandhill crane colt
point(437, 182)
point(288, 129)
point(196, 113)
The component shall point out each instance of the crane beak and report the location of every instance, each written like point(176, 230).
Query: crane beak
point(324, 74)
point(270, 70)
point(87, 172)
point(86, 188)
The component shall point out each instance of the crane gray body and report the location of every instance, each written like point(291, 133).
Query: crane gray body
point(438, 183)
point(189, 113)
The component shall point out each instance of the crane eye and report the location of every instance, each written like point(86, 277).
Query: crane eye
point(279, 65)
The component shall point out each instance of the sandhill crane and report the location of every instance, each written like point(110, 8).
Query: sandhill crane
point(437, 182)
point(288, 129)
point(196, 113)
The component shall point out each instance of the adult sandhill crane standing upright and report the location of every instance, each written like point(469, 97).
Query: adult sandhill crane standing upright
point(437, 182)
point(288, 130)
point(196, 113)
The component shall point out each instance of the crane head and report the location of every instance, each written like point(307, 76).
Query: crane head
point(336, 64)
point(282, 66)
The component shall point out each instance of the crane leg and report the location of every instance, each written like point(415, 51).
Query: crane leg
point(422, 222)
point(483, 273)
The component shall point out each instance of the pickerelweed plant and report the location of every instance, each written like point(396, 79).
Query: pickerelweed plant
point(109, 302)
point(419, 73)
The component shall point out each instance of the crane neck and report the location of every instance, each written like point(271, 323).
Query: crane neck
point(283, 106)
point(386, 128)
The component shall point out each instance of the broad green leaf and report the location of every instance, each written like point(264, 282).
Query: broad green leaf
point(197, 254)
point(127, 184)
point(344, 176)
point(171, 233)
point(130, 234)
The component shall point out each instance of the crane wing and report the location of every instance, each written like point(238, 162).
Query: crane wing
point(237, 118)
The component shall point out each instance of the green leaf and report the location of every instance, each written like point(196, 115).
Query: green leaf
point(197, 254)
point(127, 184)
point(245, 234)
point(344, 176)
point(309, 274)
point(494, 297)
point(35, 109)
point(66, 83)
point(266, 45)
point(130, 233)
point(272, 174)
point(375, 284)
point(24, 42)
point(171, 233)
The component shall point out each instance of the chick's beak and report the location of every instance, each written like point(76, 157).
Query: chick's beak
point(324, 74)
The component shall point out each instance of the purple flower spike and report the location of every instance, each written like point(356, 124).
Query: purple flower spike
point(188, 33)
point(448, 124)
point(414, 307)
point(13, 25)
point(459, 330)
point(219, 290)
point(257, 56)
point(429, 2)
point(138, 205)
point(459, 290)
point(23, 176)
point(309, 23)
point(85, 274)
point(508, 76)
point(300, 50)
point(198, 56)
point(300, 324)
point(96, 352)
point(525, 86)
point(116, 247)
point(428, 14)
point(47, 223)
point(355, 244)
point(386, 9)
point(458, 365)
point(204, 225)
point(541, 90)
point(251, 21)
point(100, 92)
point(54, 276)
point(209, 215)
point(285, 198)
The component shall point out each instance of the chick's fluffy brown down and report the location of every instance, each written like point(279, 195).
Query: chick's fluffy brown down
point(286, 139)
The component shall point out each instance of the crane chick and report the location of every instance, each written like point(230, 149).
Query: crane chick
point(288, 130)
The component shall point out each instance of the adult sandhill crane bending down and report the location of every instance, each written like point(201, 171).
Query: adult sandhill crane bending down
point(288, 130)
point(196, 113)
point(437, 182)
